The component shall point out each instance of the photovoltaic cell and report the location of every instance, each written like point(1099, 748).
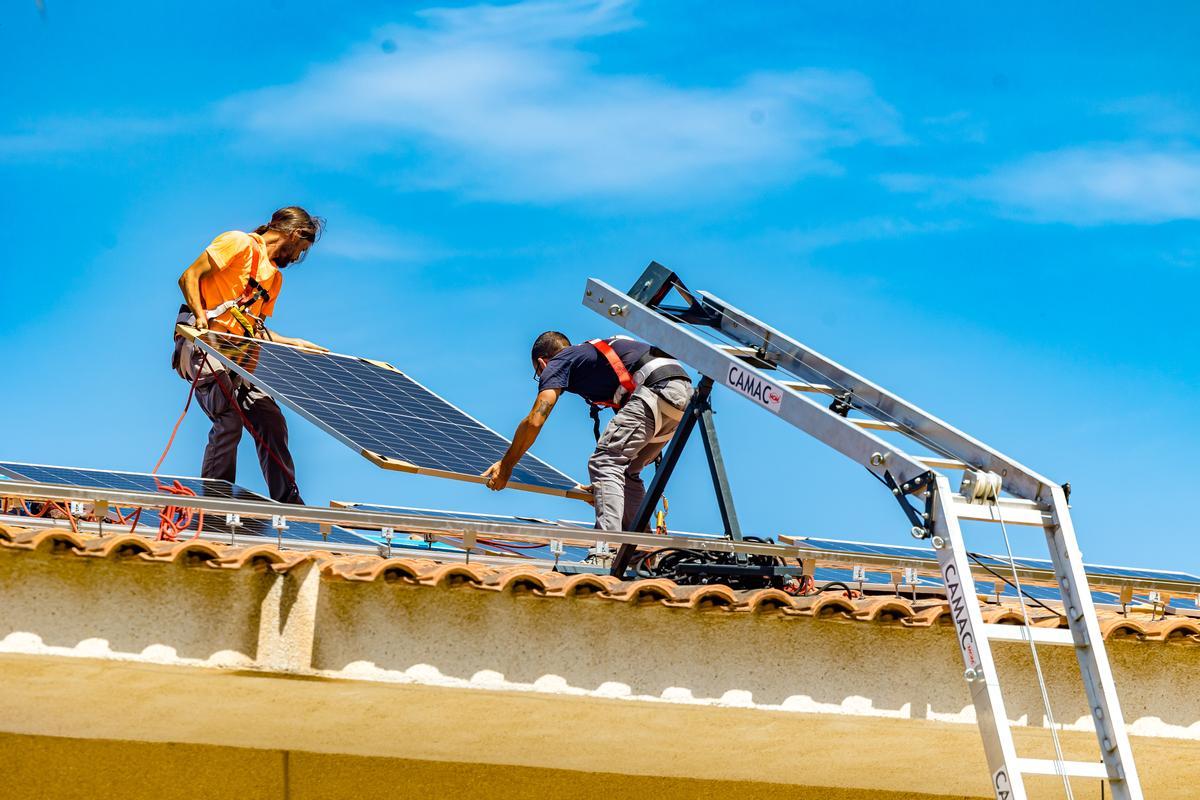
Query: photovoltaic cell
point(522, 549)
point(995, 562)
point(379, 411)
point(141, 482)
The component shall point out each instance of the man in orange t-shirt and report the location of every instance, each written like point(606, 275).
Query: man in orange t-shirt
point(232, 288)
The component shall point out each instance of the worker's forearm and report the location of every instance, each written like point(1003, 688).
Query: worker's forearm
point(523, 439)
point(190, 285)
point(275, 336)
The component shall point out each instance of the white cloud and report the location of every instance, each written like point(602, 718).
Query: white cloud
point(1099, 184)
point(501, 102)
point(1157, 114)
point(358, 240)
point(1086, 185)
point(860, 230)
point(68, 135)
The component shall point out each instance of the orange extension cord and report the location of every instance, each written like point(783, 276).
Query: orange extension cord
point(173, 520)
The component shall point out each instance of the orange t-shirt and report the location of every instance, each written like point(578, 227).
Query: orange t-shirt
point(237, 256)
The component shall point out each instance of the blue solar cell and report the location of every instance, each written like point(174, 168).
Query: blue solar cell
point(204, 487)
point(378, 409)
point(516, 548)
point(998, 563)
point(895, 551)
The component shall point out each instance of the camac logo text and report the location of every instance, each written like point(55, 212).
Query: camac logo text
point(765, 393)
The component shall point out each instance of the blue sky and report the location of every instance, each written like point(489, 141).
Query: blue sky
point(990, 210)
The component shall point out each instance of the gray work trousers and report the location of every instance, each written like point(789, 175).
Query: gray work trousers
point(634, 437)
point(213, 391)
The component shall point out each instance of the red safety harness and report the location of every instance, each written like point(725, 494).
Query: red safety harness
point(623, 376)
point(652, 367)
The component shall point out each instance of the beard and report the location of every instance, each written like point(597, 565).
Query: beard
point(286, 257)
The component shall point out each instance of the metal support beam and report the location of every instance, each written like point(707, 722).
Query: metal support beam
point(699, 411)
point(716, 467)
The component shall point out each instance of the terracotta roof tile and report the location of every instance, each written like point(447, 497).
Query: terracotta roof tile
point(122, 545)
point(534, 582)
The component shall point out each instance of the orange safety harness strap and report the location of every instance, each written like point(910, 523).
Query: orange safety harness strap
point(614, 361)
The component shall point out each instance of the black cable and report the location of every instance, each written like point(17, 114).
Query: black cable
point(850, 592)
point(975, 557)
point(668, 560)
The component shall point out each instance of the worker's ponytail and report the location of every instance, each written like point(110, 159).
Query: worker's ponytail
point(294, 219)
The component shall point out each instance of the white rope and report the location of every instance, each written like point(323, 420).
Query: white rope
point(1059, 759)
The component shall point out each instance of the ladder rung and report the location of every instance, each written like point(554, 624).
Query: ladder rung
point(748, 354)
point(1020, 633)
point(1074, 769)
point(1012, 511)
point(876, 425)
point(934, 462)
point(816, 388)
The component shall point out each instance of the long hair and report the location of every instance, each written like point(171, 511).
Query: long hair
point(294, 219)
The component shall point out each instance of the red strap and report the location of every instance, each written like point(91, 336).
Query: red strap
point(614, 361)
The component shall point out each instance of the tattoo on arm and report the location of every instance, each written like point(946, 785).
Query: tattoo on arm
point(543, 408)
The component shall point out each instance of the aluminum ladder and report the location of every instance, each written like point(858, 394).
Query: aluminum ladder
point(785, 377)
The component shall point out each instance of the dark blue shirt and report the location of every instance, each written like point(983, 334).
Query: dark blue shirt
point(583, 370)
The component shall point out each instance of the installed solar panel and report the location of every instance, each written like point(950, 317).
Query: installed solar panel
point(495, 544)
point(374, 408)
point(141, 482)
point(995, 562)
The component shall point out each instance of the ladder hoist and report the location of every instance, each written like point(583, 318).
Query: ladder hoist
point(785, 377)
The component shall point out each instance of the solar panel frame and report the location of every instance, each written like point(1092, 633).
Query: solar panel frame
point(309, 532)
point(570, 552)
point(1094, 571)
point(210, 342)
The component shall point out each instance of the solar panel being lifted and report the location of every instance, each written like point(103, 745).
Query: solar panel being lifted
point(141, 482)
point(379, 411)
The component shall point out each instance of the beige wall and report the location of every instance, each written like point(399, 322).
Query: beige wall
point(74, 769)
point(109, 650)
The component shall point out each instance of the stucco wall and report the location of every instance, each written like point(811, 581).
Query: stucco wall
point(105, 649)
point(49, 768)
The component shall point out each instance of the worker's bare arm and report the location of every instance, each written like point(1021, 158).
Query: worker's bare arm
point(189, 284)
point(499, 473)
point(274, 336)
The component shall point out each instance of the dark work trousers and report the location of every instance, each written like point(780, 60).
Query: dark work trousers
point(220, 457)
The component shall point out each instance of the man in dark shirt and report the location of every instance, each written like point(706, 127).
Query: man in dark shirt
point(648, 388)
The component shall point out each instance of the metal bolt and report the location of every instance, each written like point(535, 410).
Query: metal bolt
point(970, 674)
point(1099, 712)
point(938, 543)
point(918, 532)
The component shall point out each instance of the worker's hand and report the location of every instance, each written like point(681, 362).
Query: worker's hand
point(497, 476)
point(201, 324)
point(591, 498)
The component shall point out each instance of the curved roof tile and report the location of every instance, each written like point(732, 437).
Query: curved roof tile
point(527, 579)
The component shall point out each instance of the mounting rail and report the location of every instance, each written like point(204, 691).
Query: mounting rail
point(467, 530)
